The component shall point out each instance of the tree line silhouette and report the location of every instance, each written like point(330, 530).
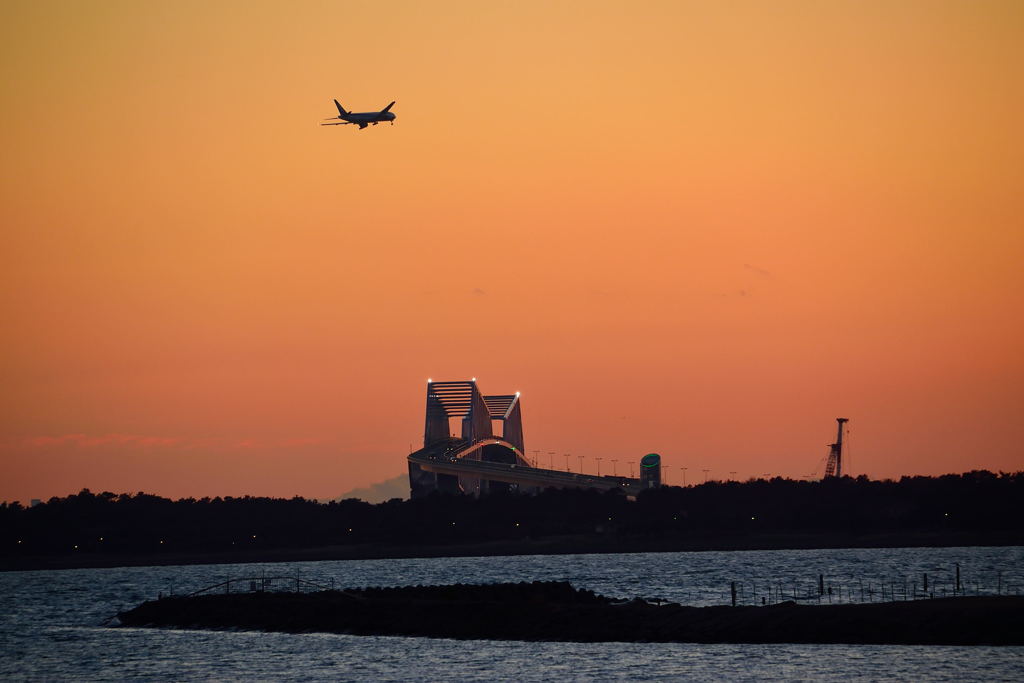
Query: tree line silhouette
point(978, 501)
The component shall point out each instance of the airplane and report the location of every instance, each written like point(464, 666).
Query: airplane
point(361, 119)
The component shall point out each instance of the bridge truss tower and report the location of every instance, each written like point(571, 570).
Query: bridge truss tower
point(476, 415)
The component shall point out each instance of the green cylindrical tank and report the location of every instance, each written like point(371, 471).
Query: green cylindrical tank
point(650, 471)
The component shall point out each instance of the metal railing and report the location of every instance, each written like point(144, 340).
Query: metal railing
point(260, 584)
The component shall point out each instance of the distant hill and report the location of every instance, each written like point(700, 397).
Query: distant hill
point(397, 487)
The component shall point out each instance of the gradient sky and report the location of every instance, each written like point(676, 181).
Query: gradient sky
point(705, 229)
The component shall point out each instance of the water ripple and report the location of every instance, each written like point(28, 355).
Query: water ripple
point(50, 621)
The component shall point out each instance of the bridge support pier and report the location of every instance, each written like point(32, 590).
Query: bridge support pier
point(423, 483)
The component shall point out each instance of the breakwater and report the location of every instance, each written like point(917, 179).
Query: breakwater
point(556, 611)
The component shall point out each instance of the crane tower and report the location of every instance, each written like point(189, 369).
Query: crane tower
point(834, 466)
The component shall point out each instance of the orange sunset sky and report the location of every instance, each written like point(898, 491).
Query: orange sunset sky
point(705, 229)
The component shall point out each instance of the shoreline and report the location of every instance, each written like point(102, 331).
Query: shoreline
point(566, 545)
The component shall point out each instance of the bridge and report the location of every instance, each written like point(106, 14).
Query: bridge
point(479, 461)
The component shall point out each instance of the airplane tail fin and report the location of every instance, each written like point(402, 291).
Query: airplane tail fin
point(385, 109)
point(341, 109)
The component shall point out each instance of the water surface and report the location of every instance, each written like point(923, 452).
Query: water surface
point(51, 622)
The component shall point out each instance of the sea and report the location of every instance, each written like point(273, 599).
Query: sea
point(59, 624)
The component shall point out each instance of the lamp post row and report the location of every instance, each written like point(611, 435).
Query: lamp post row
point(551, 465)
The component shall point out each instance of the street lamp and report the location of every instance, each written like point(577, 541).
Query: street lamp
point(684, 476)
point(581, 462)
point(551, 460)
point(567, 461)
point(705, 475)
point(536, 459)
point(614, 460)
point(599, 465)
point(631, 467)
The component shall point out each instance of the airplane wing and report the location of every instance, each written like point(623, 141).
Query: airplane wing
point(387, 108)
point(339, 123)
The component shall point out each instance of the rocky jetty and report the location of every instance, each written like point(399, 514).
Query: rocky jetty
point(555, 611)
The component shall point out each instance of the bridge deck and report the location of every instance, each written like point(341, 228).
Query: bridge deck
point(446, 460)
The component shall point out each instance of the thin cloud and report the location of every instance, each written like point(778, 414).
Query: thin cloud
point(744, 293)
point(93, 440)
point(760, 271)
point(146, 441)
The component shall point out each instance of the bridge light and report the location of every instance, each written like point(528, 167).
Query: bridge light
point(429, 380)
point(517, 393)
point(473, 380)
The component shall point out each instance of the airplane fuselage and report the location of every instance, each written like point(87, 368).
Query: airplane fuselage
point(368, 117)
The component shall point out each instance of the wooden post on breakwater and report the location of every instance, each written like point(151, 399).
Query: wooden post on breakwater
point(733, 593)
point(821, 584)
point(957, 577)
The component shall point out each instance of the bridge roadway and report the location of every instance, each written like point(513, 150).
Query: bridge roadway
point(449, 461)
